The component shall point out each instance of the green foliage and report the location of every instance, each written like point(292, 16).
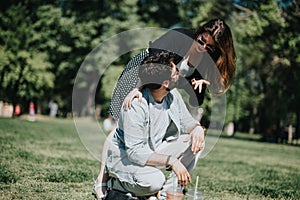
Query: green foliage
point(43, 44)
point(109, 80)
point(24, 71)
point(159, 13)
point(194, 13)
point(264, 56)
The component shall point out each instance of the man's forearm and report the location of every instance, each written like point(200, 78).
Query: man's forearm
point(157, 160)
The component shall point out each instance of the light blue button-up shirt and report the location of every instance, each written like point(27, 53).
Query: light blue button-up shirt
point(134, 138)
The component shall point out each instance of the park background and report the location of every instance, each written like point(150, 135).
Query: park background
point(43, 44)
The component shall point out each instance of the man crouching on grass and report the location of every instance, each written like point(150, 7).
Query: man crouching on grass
point(156, 134)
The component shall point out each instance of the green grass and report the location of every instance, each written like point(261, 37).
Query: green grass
point(46, 160)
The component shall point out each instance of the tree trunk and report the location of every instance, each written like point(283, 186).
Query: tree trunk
point(297, 131)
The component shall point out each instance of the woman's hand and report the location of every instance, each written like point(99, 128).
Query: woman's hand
point(198, 84)
point(197, 137)
point(135, 93)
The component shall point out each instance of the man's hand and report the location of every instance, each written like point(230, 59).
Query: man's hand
point(198, 84)
point(135, 93)
point(197, 137)
point(181, 172)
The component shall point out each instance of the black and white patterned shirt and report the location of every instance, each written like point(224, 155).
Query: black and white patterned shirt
point(127, 82)
point(177, 41)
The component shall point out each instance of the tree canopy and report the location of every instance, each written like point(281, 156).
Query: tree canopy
point(43, 44)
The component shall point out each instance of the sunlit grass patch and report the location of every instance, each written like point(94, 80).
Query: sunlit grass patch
point(46, 160)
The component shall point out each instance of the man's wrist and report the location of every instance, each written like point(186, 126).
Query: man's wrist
point(203, 128)
point(171, 161)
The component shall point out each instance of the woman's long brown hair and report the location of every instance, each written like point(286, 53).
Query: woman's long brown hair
point(224, 55)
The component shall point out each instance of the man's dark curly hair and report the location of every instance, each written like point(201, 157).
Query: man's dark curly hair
point(155, 69)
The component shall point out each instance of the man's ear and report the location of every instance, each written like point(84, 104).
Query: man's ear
point(166, 83)
point(173, 75)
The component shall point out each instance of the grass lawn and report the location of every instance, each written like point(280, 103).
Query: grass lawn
point(45, 159)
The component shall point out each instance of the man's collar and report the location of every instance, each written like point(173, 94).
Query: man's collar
point(149, 98)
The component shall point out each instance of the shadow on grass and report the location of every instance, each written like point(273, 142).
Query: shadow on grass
point(260, 138)
point(7, 175)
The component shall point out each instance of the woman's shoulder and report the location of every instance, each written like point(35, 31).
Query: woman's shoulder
point(136, 60)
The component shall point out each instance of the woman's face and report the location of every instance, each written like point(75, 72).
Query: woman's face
point(205, 42)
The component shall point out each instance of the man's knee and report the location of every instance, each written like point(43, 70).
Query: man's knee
point(151, 183)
